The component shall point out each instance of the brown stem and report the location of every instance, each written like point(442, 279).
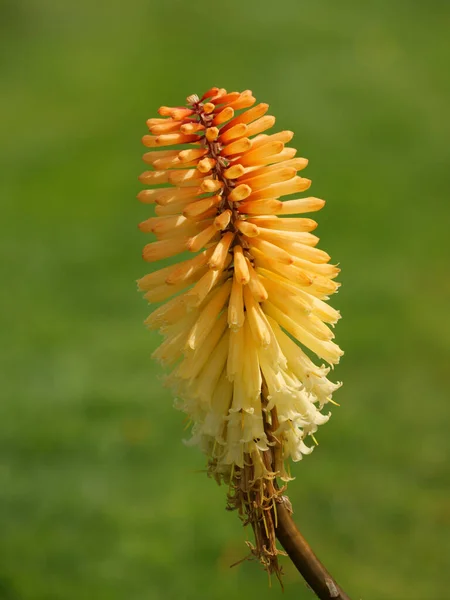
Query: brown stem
point(304, 559)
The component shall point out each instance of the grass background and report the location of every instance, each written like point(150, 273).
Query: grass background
point(98, 496)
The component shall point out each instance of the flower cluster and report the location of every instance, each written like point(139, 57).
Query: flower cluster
point(239, 312)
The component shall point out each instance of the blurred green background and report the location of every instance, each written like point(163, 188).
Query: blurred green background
point(98, 496)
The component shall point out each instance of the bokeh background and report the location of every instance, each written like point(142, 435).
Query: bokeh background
point(98, 496)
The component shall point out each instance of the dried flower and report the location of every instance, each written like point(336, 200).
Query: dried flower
point(247, 303)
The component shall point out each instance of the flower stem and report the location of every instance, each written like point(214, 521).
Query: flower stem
point(304, 559)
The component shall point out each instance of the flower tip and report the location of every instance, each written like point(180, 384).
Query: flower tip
point(304, 184)
point(149, 141)
point(144, 196)
point(318, 202)
point(206, 164)
point(208, 108)
point(240, 193)
point(164, 111)
point(210, 185)
point(212, 133)
point(234, 172)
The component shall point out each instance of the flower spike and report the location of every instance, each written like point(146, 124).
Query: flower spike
point(243, 316)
